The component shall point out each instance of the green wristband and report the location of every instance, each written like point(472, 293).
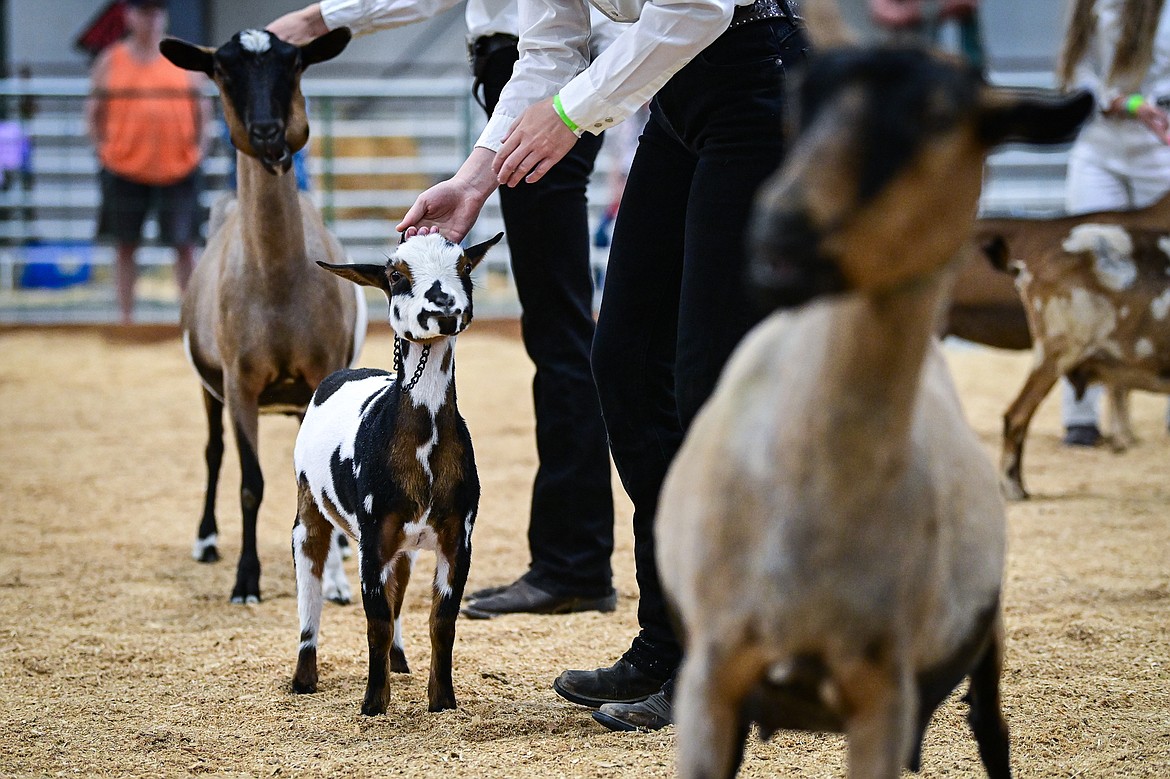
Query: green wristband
point(560, 109)
point(1133, 103)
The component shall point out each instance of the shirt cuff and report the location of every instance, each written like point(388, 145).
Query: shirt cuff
point(346, 13)
point(497, 127)
point(587, 109)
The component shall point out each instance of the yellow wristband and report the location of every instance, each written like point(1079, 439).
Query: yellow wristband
point(1133, 103)
point(560, 109)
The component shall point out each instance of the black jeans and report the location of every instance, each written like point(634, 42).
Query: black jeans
point(674, 305)
point(570, 532)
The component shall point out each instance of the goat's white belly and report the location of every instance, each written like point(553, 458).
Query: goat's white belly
point(333, 427)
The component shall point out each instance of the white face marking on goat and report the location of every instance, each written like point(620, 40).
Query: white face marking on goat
point(1160, 305)
point(257, 41)
point(430, 288)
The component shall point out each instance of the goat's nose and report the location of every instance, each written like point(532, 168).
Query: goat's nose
point(439, 297)
point(265, 134)
point(787, 267)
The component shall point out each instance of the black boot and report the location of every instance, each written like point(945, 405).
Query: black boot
point(620, 683)
point(650, 714)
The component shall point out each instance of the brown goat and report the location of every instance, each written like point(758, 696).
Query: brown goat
point(830, 533)
point(262, 325)
point(1097, 298)
point(986, 306)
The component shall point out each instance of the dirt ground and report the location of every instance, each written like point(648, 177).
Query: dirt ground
point(120, 656)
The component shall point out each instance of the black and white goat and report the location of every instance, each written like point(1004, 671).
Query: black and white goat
point(387, 458)
point(831, 532)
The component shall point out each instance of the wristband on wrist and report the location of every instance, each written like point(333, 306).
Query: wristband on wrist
point(560, 109)
point(1133, 103)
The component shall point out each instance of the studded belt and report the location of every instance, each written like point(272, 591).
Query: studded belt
point(763, 9)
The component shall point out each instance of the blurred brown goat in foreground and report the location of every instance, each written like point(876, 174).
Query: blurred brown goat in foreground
point(831, 532)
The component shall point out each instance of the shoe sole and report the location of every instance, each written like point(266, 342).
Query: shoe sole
point(571, 607)
point(592, 703)
point(613, 723)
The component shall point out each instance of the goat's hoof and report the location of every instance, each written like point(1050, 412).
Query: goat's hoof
point(398, 661)
point(443, 704)
point(337, 594)
point(305, 687)
point(247, 599)
point(372, 708)
point(1012, 490)
point(206, 550)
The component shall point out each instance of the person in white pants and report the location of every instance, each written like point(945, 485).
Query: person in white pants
point(1120, 50)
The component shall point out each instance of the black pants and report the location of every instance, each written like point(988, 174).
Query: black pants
point(674, 304)
point(570, 533)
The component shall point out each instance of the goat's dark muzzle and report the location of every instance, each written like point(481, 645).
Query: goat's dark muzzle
point(787, 268)
point(269, 143)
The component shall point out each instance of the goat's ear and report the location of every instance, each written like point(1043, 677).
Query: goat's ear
point(188, 56)
point(365, 275)
point(475, 253)
point(1032, 116)
point(326, 47)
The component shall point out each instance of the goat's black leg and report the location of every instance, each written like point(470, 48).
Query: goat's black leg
point(401, 577)
point(205, 549)
point(444, 610)
point(986, 713)
point(379, 628)
point(247, 589)
point(310, 546)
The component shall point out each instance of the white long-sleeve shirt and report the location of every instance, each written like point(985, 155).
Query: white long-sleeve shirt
point(483, 17)
point(1094, 66)
point(661, 37)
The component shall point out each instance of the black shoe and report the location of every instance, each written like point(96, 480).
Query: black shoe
point(1082, 435)
point(620, 683)
point(650, 714)
point(520, 597)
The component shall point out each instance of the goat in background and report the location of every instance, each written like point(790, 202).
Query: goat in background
point(831, 532)
point(260, 325)
point(1096, 289)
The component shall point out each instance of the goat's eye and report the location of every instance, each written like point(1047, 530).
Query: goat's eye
point(395, 277)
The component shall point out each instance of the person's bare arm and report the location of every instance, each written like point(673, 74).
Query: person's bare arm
point(1146, 112)
point(537, 141)
point(95, 103)
point(453, 205)
point(204, 114)
point(903, 13)
point(300, 27)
